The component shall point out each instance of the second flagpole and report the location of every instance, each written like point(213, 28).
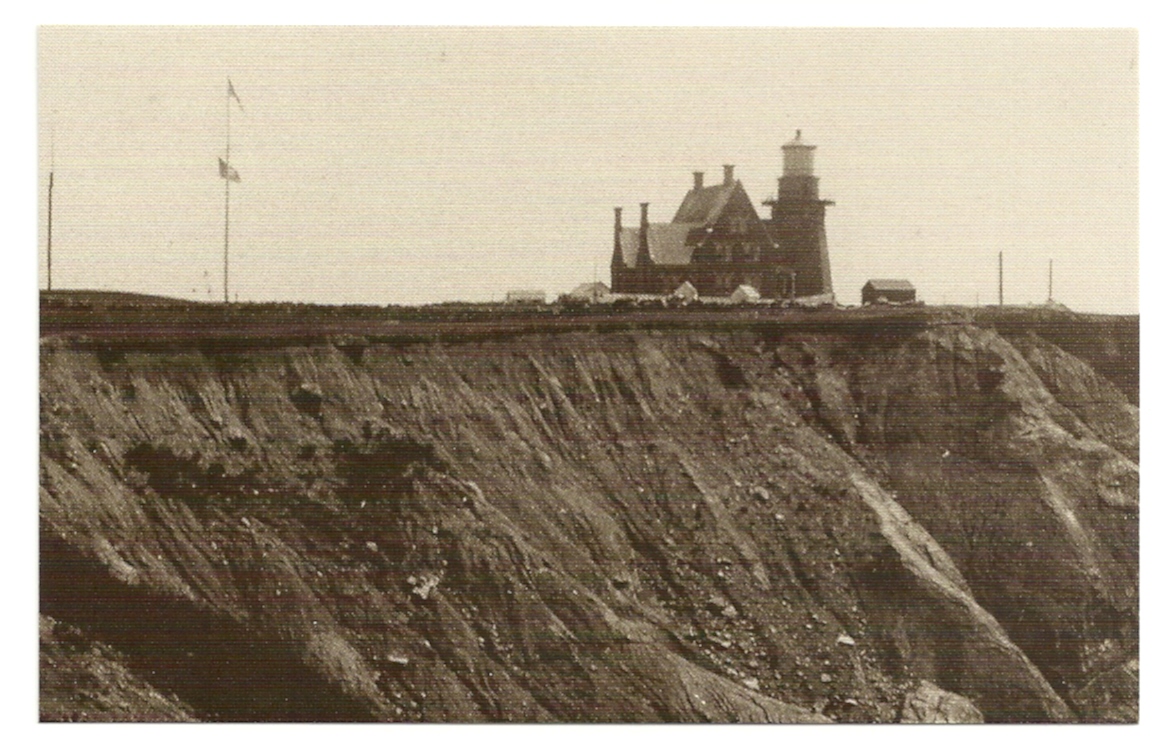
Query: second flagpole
point(226, 235)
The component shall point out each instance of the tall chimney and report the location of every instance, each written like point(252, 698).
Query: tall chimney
point(643, 256)
point(618, 256)
point(728, 173)
point(698, 179)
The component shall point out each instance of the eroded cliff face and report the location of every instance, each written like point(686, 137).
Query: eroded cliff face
point(634, 526)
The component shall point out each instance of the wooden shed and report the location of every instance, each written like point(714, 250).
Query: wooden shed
point(888, 292)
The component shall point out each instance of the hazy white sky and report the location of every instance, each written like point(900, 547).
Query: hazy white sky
point(410, 165)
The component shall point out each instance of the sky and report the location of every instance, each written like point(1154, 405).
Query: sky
point(421, 164)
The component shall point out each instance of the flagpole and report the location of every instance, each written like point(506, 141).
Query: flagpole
point(52, 165)
point(50, 231)
point(226, 234)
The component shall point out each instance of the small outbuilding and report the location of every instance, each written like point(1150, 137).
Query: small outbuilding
point(685, 292)
point(597, 291)
point(525, 297)
point(744, 295)
point(888, 292)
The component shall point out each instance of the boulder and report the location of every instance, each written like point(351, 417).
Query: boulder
point(929, 704)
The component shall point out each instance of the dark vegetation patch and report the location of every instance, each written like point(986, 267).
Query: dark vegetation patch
point(190, 478)
point(222, 668)
point(730, 373)
point(991, 517)
point(88, 681)
point(383, 467)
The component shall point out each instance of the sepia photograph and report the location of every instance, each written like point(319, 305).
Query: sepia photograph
point(623, 375)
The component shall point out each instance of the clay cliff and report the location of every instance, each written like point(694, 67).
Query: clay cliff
point(877, 524)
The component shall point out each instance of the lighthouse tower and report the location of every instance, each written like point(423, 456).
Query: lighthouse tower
point(798, 221)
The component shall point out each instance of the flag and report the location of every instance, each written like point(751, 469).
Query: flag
point(231, 93)
point(228, 172)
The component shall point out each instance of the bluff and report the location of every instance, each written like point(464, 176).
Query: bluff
point(727, 523)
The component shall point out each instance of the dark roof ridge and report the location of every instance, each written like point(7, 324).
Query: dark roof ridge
point(705, 204)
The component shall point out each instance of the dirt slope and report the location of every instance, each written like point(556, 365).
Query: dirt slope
point(630, 526)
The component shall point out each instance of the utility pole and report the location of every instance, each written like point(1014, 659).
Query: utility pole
point(50, 242)
point(52, 166)
point(226, 231)
point(1000, 279)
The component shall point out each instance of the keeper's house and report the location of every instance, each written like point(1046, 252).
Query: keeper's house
point(717, 242)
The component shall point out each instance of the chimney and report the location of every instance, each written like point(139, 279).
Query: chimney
point(618, 232)
point(698, 179)
point(728, 173)
point(643, 256)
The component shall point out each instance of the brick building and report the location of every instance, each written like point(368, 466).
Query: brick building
point(717, 241)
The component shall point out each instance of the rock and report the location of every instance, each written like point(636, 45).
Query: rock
point(397, 659)
point(826, 678)
point(718, 604)
point(370, 545)
point(236, 439)
point(752, 683)
point(724, 642)
point(929, 704)
point(425, 584)
point(760, 493)
point(846, 639)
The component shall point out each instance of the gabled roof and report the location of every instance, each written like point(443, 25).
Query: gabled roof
point(667, 243)
point(703, 206)
point(889, 285)
point(745, 293)
point(591, 290)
